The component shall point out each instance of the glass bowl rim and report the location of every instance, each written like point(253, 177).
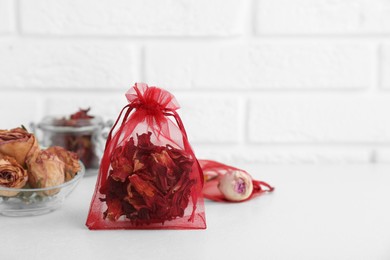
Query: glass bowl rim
point(78, 176)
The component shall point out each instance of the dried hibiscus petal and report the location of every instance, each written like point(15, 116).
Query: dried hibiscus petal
point(83, 144)
point(114, 210)
point(156, 182)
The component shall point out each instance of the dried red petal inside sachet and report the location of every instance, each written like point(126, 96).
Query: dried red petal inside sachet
point(147, 183)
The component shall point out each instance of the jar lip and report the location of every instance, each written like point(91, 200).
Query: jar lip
point(53, 124)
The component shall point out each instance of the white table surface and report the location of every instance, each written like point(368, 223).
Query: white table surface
point(316, 212)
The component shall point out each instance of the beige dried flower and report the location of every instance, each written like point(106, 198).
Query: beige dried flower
point(12, 175)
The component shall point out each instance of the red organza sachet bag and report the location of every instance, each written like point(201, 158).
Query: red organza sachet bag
point(224, 183)
point(149, 177)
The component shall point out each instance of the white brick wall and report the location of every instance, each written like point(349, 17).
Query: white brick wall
point(319, 119)
point(259, 81)
point(6, 16)
point(71, 64)
point(135, 17)
point(260, 66)
point(323, 17)
point(385, 68)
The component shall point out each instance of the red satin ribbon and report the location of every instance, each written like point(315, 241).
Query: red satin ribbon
point(213, 171)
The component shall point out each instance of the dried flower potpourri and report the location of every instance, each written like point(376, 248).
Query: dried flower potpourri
point(12, 175)
point(224, 183)
point(18, 144)
point(24, 165)
point(149, 177)
point(82, 143)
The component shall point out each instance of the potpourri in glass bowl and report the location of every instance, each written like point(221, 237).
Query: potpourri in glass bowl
point(34, 180)
point(37, 201)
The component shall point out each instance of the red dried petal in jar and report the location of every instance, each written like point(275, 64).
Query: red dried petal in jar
point(82, 114)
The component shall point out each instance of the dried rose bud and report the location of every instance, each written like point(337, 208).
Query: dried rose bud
point(17, 143)
point(72, 165)
point(236, 185)
point(12, 175)
point(45, 169)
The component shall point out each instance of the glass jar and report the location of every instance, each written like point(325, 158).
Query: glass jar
point(85, 137)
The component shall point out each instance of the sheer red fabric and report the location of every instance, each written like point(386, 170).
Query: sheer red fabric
point(149, 177)
point(214, 172)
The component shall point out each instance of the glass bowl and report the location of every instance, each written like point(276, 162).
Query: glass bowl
point(85, 137)
point(32, 202)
